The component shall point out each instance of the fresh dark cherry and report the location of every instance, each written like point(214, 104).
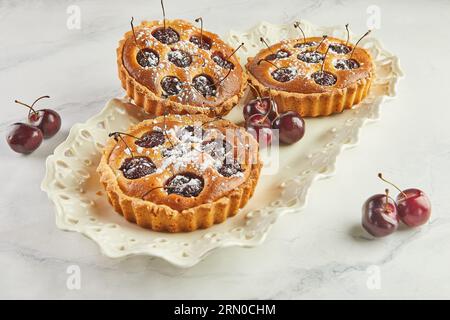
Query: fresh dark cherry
point(259, 127)
point(339, 48)
point(137, 167)
point(24, 138)
point(324, 78)
point(305, 45)
point(284, 74)
point(379, 215)
point(229, 168)
point(219, 59)
point(201, 42)
point(204, 84)
point(47, 120)
point(346, 64)
point(258, 120)
point(261, 106)
point(151, 139)
point(281, 54)
point(171, 86)
point(147, 58)
point(217, 149)
point(291, 127)
point(166, 35)
point(180, 58)
point(186, 185)
point(311, 57)
point(414, 207)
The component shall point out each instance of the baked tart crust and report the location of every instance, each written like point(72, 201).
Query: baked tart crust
point(297, 60)
point(143, 67)
point(172, 179)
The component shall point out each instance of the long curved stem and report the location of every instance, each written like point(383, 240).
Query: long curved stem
point(30, 108)
point(234, 51)
point(380, 175)
point(364, 35)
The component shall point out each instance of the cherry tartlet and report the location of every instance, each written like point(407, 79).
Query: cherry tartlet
point(314, 76)
point(175, 67)
point(180, 173)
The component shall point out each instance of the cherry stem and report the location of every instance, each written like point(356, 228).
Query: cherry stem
point(320, 43)
point(201, 30)
point(134, 33)
point(122, 133)
point(272, 102)
point(324, 57)
point(234, 51)
point(164, 14)
point(261, 60)
point(149, 191)
point(118, 135)
point(31, 110)
point(364, 35)
point(297, 25)
point(162, 187)
point(386, 209)
point(256, 90)
point(267, 45)
point(380, 175)
point(46, 97)
point(348, 34)
point(221, 80)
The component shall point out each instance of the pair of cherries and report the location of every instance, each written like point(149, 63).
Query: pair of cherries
point(261, 117)
point(381, 214)
point(42, 124)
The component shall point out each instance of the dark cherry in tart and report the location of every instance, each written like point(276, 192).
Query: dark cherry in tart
point(151, 139)
point(166, 35)
point(137, 167)
point(147, 58)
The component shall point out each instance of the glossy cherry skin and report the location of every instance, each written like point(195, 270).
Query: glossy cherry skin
point(378, 217)
point(24, 138)
point(263, 135)
point(414, 209)
point(291, 127)
point(47, 120)
point(259, 127)
point(261, 106)
point(258, 120)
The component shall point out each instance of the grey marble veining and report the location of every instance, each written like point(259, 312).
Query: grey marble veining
point(318, 253)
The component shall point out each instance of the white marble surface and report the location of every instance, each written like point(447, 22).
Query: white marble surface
point(313, 254)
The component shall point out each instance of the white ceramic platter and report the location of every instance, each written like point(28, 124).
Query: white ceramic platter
point(71, 181)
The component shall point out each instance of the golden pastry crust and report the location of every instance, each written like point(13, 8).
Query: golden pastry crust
point(302, 93)
point(222, 180)
point(143, 84)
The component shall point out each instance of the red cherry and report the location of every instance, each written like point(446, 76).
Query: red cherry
point(291, 127)
point(380, 215)
point(263, 135)
point(261, 106)
point(24, 138)
point(258, 120)
point(47, 120)
point(259, 126)
point(414, 206)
